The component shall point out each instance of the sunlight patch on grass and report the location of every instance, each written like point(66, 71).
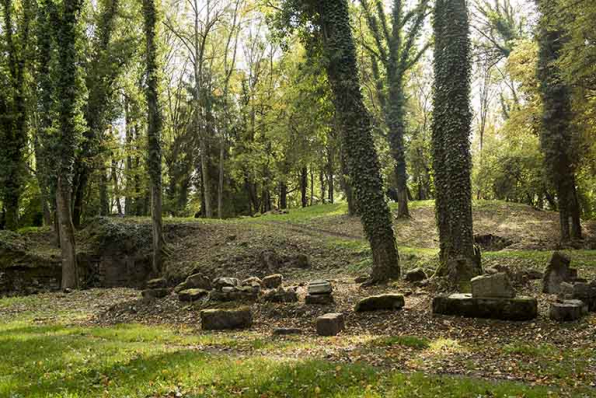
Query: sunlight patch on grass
point(445, 347)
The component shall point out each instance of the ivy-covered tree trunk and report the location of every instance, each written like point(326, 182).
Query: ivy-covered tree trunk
point(451, 142)
point(69, 91)
point(13, 129)
point(556, 133)
point(356, 133)
point(154, 124)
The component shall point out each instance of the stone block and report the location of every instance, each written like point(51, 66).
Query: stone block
point(281, 295)
point(320, 286)
point(512, 309)
point(273, 281)
point(566, 311)
point(221, 319)
point(198, 281)
point(156, 283)
point(220, 283)
point(495, 285)
point(381, 302)
point(321, 299)
point(330, 324)
point(557, 271)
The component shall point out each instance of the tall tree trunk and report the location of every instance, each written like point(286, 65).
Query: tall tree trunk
point(283, 195)
point(304, 186)
point(356, 133)
point(104, 201)
point(556, 134)
point(114, 170)
point(451, 130)
point(70, 274)
point(128, 202)
point(312, 187)
point(346, 185)
point(323, 190)
point(154, 122)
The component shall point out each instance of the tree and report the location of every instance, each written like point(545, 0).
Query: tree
point(451, 126)
point(13, 127)
point(556, 137)
point(363, 165)
point(396, 50)
point(154, 125)
point(70, 126)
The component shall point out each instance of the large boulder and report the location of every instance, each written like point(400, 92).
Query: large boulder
point(381, 302)
point(221, 319)
point(510, 309)
point(330, 324)
point(495, 285)
point(273, 281)
point(198, 281)
point(191, 295)
point(557, 271)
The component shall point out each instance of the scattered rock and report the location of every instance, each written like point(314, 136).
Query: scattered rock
point(556, 272)
point(286, 331)
point(583, 291)
point(330, 324)
point(252, 281)
point(510, 309)
point(270, 260)
point(273, 281)
point(322, 299)
point(281, 295)
point(381, 302)
point(220, 283)
point(568, 310)
point(198, 281)
point(235, 294)
point(157, 283)
point(221, 319)
point(192, 294)
point(155, 293)
point(496, 285)
point(415, 275)
point(320, 286)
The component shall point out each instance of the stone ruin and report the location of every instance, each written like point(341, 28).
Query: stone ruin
point(492, 296)
point(575, 296)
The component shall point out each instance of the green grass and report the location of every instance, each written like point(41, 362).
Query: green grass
point(406, 341)
point(141, 361)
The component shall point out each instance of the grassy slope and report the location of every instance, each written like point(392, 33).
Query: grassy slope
point(49, 352)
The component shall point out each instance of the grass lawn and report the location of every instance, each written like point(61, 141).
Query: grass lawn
point(143, 361)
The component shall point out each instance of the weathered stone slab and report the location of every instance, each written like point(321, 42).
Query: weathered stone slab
point(557, 271)
point(512, 309)
point(415, 275)
point(157, 283)
point(320, 286)
point(155, 293)
point(192, 294)
point(381, 302)
point(235, 294)
point(322, 299)
point(198, 281)
point(273, 281)
point(495, 285)
point(568, 310)
point(221, 319)
point(330, 324)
